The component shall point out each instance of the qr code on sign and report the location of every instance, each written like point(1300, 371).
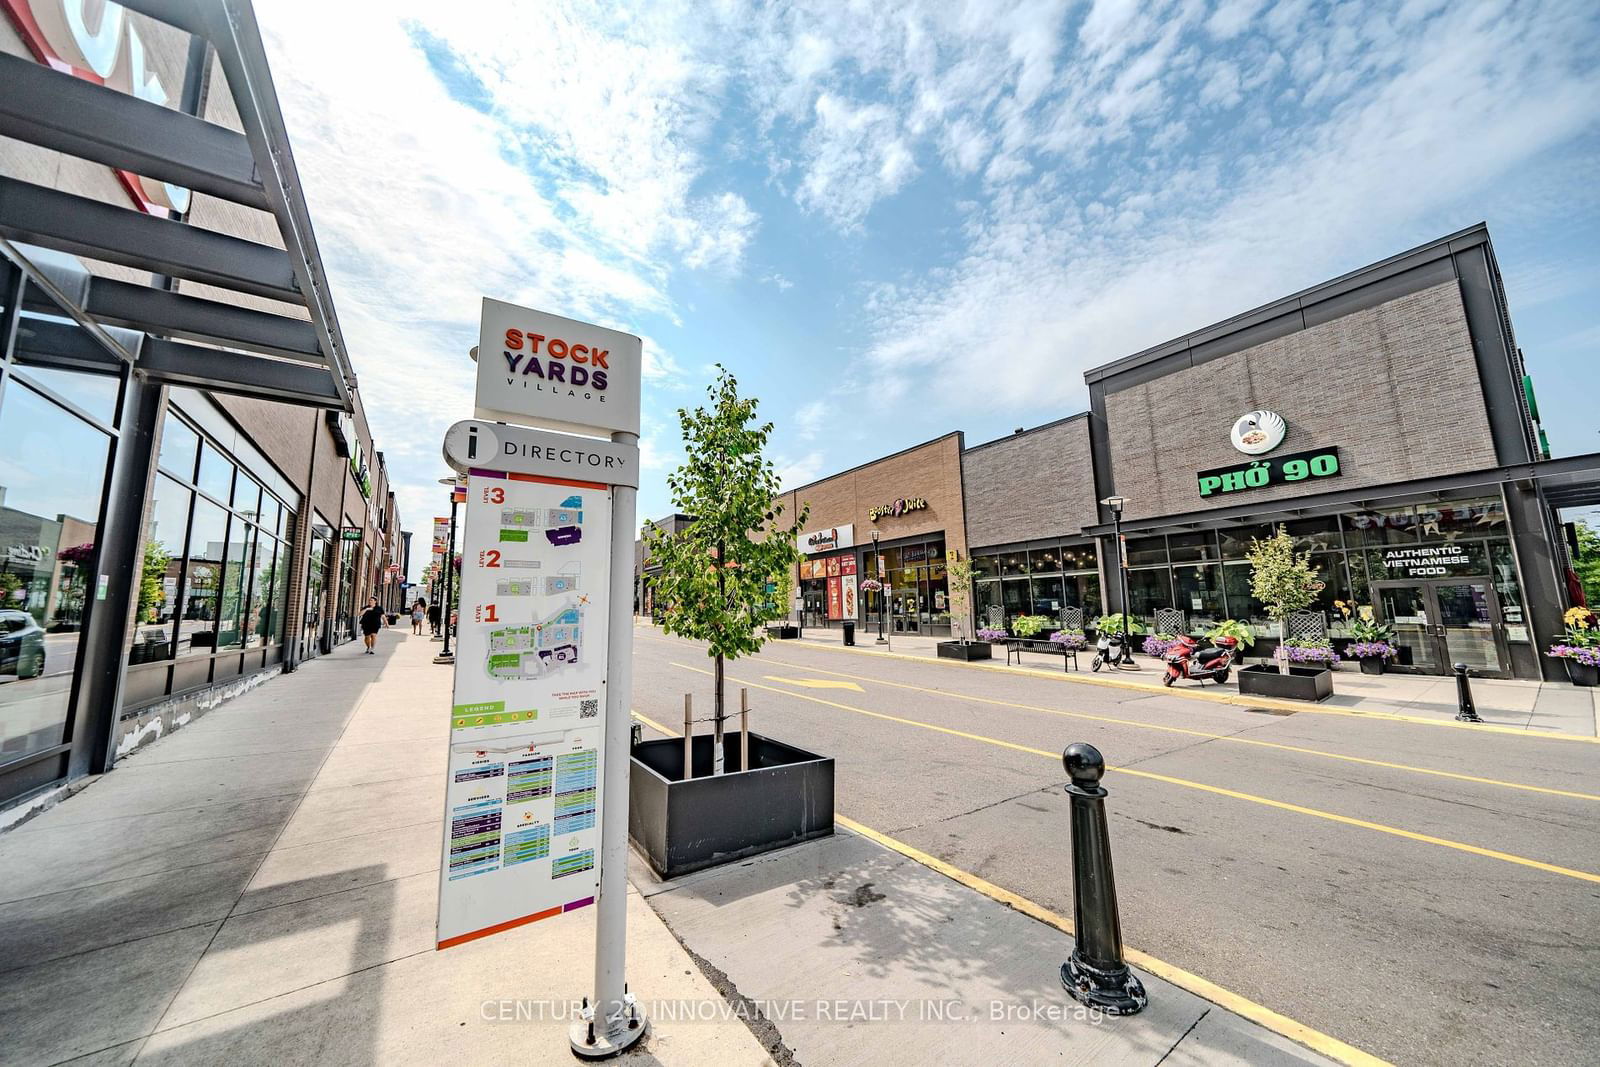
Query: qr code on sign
point(588, 709)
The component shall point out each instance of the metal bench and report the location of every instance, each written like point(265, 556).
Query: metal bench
point(1016, 646)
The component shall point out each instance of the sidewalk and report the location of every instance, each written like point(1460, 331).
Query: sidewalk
point(259, 887)
point(1515, 703)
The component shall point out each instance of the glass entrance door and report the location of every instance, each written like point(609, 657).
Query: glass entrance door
point(1442, 622)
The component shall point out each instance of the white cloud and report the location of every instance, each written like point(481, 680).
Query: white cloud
point(807, 421)
point(795, 471)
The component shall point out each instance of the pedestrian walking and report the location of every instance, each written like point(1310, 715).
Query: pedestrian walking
point(371, 623)
point(419, 611)
point(433, 619)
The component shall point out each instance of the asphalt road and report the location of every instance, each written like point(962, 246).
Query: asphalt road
point(1306, 887)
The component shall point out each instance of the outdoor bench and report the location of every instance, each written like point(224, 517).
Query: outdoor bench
point(1016, 646)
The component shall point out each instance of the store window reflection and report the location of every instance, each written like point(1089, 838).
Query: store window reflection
point(197, 627)
point(52, 468)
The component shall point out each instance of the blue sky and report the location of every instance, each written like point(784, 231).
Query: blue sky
point(895, 219)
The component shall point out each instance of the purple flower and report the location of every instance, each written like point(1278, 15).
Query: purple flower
point(1589, 657)
point(1302, 654)
point(1069, 639)
point(1158, 644)
point(1370, 650)
point(989, 633)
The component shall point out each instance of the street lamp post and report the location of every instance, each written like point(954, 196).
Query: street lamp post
point(1116, 504)
point(445, 655)
point(883, 589)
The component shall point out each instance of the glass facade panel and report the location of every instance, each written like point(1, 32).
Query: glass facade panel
point(1197, 547)
point(1198, 594)
point(1235, 540)
point(1049, 596)
point(986, 595)
point(52, 467)
point(179, 444)
point(1391, 526)
point(1503, 568)
point(1015, 599)
point(1045, 560)
point(1143, 551)
point(239, 565)
point(1083, 591)
point(166, 535)
point(1079, 556)
point(216, 473)
point(1015, 562)
point(1316, 535)
point(985, 566)
point(197, 626)
point(1149, 589)
point(95, 394)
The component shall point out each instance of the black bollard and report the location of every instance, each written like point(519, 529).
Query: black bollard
point(1468, 713)
point(1096, 975)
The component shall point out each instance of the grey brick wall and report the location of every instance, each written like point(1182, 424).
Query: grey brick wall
point(1029, 485)
point(1395, 387)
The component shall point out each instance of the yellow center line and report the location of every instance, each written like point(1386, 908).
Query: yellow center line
point(1198, 694)
point(1346, 820)
point(1259, 1014)
point(1231, 738)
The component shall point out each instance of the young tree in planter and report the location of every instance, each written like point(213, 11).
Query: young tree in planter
point(715, 570)
point(958, 575)
point(1283, 580)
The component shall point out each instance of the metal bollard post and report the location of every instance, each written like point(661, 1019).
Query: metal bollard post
point(688, 737)
point(744, 729)
point(635, 733)
point(1468, 712)
point(1096, 974)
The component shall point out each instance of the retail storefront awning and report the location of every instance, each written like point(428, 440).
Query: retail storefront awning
point(187, 339)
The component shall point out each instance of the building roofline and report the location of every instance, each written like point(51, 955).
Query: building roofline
point(959, 435)
point(1440, 248)
point(1052, 424)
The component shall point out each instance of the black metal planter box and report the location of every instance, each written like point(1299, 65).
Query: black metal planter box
point(783, 632)
point(970, 651)
point(1301, 683)
point(784, 798)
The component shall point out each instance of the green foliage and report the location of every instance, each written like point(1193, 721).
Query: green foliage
point(958, 574)
point(1029, 625)
point(715, 571)
point(1112, 624)
point(150, 592)
point(1586, 562)
point(1281, 578)
point(1235, 629)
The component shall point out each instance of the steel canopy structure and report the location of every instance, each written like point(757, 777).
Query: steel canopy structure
point(175, 338)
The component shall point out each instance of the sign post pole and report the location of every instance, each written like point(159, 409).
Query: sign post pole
point(616, 1022)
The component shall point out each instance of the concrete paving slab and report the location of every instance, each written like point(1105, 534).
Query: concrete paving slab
point(878, 959)
point(290, 873)
point(344, 811)
point(267, 953)
point(55, 925)
point(229, 744)
point(357, 764)
point(89, 1002)
point(78, 855)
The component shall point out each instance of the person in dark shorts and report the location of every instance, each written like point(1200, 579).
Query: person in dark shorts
point(433, 619)
point(371, 623)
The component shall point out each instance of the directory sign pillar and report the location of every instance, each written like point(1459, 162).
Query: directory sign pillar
point(536, 820)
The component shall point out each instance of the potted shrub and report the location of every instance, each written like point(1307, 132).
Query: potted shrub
point(958, 576)
point(1239, 631)
point(1285, 582)
point(1371, 642)
point(1373, 655)
point(1029, 626)
point(1580, 648)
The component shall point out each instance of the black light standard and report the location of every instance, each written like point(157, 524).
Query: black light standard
point(883, 589)
point(445, 655)
point(1116, 504)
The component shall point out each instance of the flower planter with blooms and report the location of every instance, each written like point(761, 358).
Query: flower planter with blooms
point(1581, 649)
point(989, 633)
point(1372, 654)
point(1301, 652)
point(1158, 645)
point(1071, 640)
point(871, 585)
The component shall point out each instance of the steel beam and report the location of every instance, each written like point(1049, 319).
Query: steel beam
point(71, 115)
point(76, 224)
point(158, 311)
point(179, 363)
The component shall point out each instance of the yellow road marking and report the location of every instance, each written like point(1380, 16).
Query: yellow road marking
point(1259, 1014)
point(1232, 738)
point(815, 683)
point(1214, 697)
point(1346, 820)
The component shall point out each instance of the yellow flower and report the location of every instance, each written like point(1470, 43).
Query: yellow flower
point(1366, 613)
point(1578, 618)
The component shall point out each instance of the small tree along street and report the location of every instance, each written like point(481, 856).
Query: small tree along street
point(716, 571)
point(1283, 580)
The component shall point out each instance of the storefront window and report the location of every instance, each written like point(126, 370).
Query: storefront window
point(1316, 535)
point(95, 395)
point(986, 599)
point(1079, 557)
point(1391, 526)
point(985, 566)
point(1014, 562)
point(1506, 586)
point(1198, 547)
point(1242, 605)
point(52, 465)
point(1015, 599)
point(1148, 590)
point(197, 628)
point(1044, 560)
point(1083, 591)
point(1048, 596)
point(1236, 540)
point(1146, 551)
point(216, 473)
point(236, 584)
point(1484, 517)
point(156, 610)
point(1198, 594)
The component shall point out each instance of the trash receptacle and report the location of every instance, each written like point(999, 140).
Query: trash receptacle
point(849, 632)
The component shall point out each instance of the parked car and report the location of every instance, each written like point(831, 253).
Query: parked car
point(21, 645)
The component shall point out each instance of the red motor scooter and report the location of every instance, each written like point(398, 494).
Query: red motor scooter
point(1186, 659)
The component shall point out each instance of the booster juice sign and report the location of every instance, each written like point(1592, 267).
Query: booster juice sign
point(534, 367)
